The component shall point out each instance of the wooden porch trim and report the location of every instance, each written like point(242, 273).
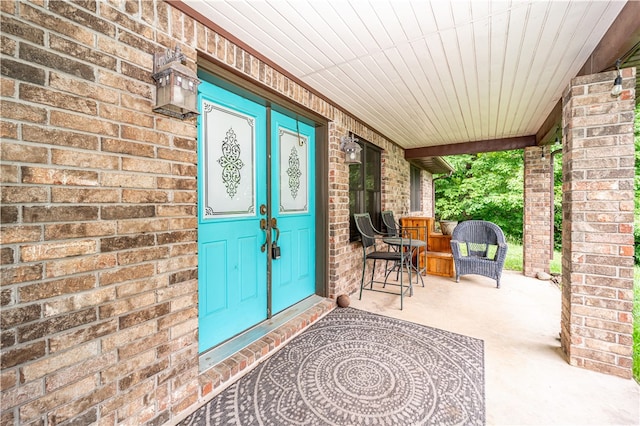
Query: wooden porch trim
point(490, 145)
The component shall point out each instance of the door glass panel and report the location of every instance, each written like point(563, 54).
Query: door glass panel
point(229, 181)
point(294, 183)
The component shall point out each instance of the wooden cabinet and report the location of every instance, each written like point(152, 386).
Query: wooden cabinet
point(417, 227)
point(440, 263)
point(439, 242)
point(437, 258)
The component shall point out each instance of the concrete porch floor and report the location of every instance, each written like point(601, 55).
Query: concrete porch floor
point(528, 382)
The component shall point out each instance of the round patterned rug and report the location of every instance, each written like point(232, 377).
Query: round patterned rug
point(357, 368)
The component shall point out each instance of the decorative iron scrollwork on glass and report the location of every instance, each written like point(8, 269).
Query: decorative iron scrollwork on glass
point(294, 172)
point(231, 163)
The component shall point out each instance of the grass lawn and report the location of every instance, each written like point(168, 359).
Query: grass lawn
point(514, 263)
point(514, 259)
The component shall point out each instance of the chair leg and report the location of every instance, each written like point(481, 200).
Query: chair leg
point(373, 274)
point(364, 268)
point(411, 277)
point(401, 287)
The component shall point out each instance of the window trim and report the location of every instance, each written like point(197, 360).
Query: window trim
point(415, 188)
point(368, 150)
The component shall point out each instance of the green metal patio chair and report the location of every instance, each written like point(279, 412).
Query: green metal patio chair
point(370, 237)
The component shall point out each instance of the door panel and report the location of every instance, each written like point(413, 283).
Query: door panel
point(249, 279)
point(293, 205)
point(232, 272)
point(233, 167)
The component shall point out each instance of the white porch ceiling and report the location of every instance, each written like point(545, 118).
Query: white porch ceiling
point(426, 73)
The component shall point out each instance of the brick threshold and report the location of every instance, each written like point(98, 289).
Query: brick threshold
point(225, 364)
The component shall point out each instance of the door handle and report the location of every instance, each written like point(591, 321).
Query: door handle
point(274, 225)
point(263, 226)
point(275, 250)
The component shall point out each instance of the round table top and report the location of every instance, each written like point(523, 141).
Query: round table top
point(409, 242)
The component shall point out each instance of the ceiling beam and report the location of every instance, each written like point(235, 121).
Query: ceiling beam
point(619, 39)
point(505, 144)
point(546, 133)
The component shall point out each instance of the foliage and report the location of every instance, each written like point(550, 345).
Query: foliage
point(487, 186)
point(557, 199)
point(636, 229)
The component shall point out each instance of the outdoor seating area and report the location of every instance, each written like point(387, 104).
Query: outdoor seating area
point(476, 247)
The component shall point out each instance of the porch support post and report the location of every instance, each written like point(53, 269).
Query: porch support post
point(597, 230)
point(537, 236)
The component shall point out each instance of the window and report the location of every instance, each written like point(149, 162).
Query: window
point(416, 188)
point(365, 194)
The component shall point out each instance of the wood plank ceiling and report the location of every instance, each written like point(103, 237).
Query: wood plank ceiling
point(426, 73)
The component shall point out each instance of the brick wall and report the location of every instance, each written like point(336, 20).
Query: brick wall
point(426, 199)
point(537, 211)
point(395, 175)
point(598, 209)
point(428, 209)
point(99, 222)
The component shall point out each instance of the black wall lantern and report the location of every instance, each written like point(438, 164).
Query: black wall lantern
point(176, 85)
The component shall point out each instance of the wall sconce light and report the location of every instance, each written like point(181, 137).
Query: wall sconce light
point(351, 149)
point(617, 83)
point(176, 85)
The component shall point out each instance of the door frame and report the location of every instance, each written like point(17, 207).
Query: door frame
point(230, 79)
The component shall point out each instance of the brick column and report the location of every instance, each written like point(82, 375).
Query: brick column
point(537, 211)
point(598, 207)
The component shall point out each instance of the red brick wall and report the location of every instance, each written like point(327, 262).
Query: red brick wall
point(537, 211)
point(598, 208)
point(99, 226)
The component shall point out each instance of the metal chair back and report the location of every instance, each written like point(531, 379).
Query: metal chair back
point(390, 223)
point(366, 229)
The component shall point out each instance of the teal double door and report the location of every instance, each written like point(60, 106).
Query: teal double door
point(256, 212)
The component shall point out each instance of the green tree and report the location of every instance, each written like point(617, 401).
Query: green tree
point(557, 198)
point(487, 186)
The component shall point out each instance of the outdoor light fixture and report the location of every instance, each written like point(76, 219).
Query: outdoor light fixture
point(617, 83)
point(351, 149)
point(176, 85)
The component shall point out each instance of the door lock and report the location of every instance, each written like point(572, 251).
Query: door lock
point(275, 250)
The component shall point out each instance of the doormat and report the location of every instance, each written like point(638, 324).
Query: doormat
point(358, 368)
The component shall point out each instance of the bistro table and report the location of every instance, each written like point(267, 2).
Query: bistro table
point(413, 245)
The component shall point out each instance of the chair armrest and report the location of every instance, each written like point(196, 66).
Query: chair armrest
point(501, 253)
point(376, 236)
point(455, 248)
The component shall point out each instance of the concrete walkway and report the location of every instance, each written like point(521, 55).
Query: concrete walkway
point(528, 382)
